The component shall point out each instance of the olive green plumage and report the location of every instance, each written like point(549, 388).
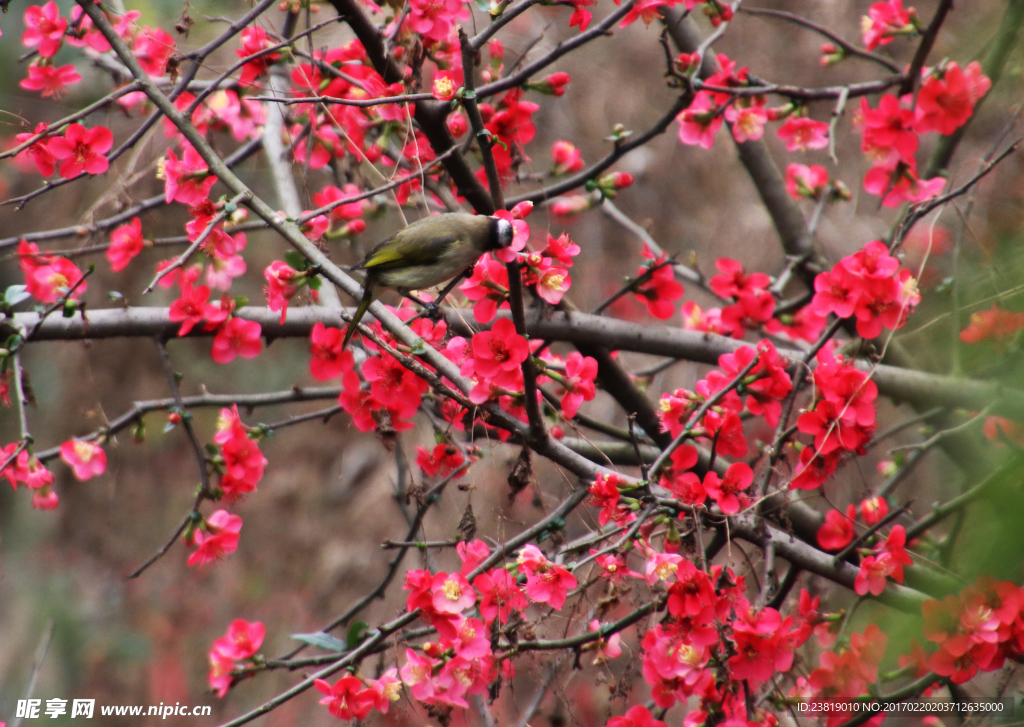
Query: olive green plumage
point(427, 253)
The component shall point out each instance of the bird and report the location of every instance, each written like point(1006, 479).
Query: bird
point(427, 253)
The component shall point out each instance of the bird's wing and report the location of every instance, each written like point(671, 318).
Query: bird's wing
point(405, 250)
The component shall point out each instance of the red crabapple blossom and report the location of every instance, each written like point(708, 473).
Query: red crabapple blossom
point(237, 337)
point(50, 80)
point(125, 243)
point(885, 20)
point(837, 530)
point(802, 133)
point(44, 29)
point(82, 150)
point(86, 459)
point(220, 538)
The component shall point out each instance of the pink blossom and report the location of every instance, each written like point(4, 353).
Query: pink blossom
point(86, 459)
point(801, 133)
point(82, 150)
point(45, 28)
point(238, 337)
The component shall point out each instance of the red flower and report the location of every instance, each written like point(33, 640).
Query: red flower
point(442, 460)
point(51, 80)
point(328, 359)
point(39, 153)
point(763, 649)
point(873, 510)
point(82, 150)
point(728, 491)
point(888, 131)
point(580, 15)
point(44, 27)
point(993, 323)
point(734, 281)
point(444, 86)
point(605, 495)
point(871, 576)
point(578, 382)
point(638, 716)
point(800, 133)
point(947, 97)
point(545, 582)
point(86, 459)
point(806, 181)
point(220, 538)
point(244, 463)
point(500, 594)
point(451, 593)
point(125, 243)
point(566, 158)
point(699, 123)
point(434, 20)
point(659, 292)
point(189, 308)
point(50, 282)
point(457, 125)
point(238, 337)
point(254, 39)
point(280, 288)
point(393, 386)
point(553, 283)
point(488, 285)
point(747, 122)
point(498, 354)
point(561, 249)
point(893, 550)
point(837, 530)
point(186, 180)
point(31, 471)
point(332, 196)
point(900, 183)
point(835, 292)
point(153, 47)
point(886, 20)
point(961, 668)
point(346, 699)
point(242, 640)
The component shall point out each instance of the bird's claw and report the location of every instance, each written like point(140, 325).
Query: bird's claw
point(432, 311)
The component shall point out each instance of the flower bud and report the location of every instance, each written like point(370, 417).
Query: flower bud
point(457, 125)
point(553, 85)
point(568, 206)
point(687, 63)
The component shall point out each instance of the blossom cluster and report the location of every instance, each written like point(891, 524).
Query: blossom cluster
point(461, 662)
point(976, 629)
point(241, 642)
point(764, 384)
point(86, 459)
point(890, 132)
point(841, 419)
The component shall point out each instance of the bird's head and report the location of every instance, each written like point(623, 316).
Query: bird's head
point(501, 233)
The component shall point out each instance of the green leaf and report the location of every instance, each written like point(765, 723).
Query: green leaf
point(322, 641)
point(314, 282)
point(241, 301)
point(357, 633)
point(295, 259)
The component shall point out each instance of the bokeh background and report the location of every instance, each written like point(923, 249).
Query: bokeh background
point(311, 541)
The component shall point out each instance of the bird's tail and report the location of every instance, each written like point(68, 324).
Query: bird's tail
point(360, 312)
